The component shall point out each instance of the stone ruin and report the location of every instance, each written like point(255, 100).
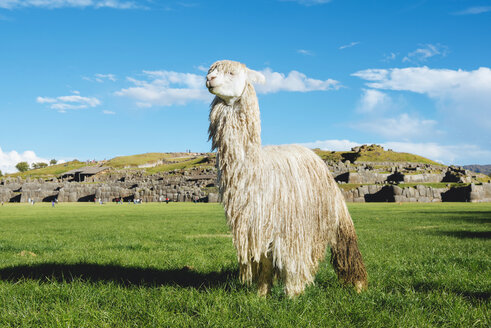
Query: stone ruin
point(193, 185)
point(379, 181)
point(367, 182)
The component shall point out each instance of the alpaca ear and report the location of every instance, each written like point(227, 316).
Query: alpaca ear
point(255, 77)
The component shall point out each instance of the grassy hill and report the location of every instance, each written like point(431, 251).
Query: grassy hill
point(50, 171)
point(157, 162)
point(377, 155)
point(165, 162)
point(135, 160)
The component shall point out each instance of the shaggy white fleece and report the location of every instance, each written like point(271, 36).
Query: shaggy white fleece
point(281, 203)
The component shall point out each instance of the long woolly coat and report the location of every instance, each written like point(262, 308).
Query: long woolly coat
point(281, 202)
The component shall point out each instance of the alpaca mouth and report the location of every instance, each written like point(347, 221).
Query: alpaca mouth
point(209, 85)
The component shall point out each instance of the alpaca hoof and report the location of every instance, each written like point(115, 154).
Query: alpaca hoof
point(264, 290)
point(360, 286)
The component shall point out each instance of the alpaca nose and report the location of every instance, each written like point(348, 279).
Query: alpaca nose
point(210, 78)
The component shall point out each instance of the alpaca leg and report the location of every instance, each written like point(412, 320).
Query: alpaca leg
point(294, 286)
point(244, 274)
point(265, 277)
point(346, 257)
point(295, 282)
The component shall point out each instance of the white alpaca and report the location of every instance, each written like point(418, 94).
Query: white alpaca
point(281, 202)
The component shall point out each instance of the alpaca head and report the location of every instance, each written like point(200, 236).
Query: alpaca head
point(228, 79)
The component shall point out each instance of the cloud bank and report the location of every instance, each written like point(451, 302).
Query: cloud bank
point(169, 88)
point(463, 97)
point(8, 160)
point(166, 88)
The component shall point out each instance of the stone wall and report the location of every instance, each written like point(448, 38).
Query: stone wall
point(420, 193)
point(194, 185)
point(199, 185)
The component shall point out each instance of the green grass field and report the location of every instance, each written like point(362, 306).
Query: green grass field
point(158, 265)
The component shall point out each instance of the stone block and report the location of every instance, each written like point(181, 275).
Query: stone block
point(397, 190)
point(400, 199)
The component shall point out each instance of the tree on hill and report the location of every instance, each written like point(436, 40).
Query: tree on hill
point(22, 166)
point(39, 165)
point(53, 162)
point(1, 174)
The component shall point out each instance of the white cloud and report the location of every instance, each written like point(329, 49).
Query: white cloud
point(464, 97)
point(8, 160)
point(53, 4)
point(401, 127)
point(108, 112)
point(74, 101)
point(100, 78)
point(333, 144)
point(389, 57)
point(349, 45)
point(372, 74)
point(294, 81)
point(427, 51)
point(305, 52)
point(372, 100)
point(203, 68)
point(474, 10)
point(166, 88)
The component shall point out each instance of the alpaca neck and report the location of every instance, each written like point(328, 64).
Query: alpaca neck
point(235, 131)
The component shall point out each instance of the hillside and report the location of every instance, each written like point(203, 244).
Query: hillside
point(484, 169)
point(372, 153)
point(151, 163)
point(50, 171)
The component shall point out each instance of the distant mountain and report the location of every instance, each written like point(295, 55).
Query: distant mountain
point(485, 169)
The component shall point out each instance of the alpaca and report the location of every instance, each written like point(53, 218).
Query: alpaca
point(281, 202)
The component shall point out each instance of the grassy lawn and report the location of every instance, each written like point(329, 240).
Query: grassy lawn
point(158, 265)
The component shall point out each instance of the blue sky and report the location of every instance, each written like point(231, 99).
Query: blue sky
point(92, 79)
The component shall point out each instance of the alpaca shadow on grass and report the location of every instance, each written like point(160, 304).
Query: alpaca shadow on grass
point(125, 276)
point(465, 234)
point(472, 296)
point(478, 217)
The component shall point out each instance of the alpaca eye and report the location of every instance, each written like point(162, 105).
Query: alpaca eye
point(231, 73)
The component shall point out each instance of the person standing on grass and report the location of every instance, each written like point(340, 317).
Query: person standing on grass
point(53, 203)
